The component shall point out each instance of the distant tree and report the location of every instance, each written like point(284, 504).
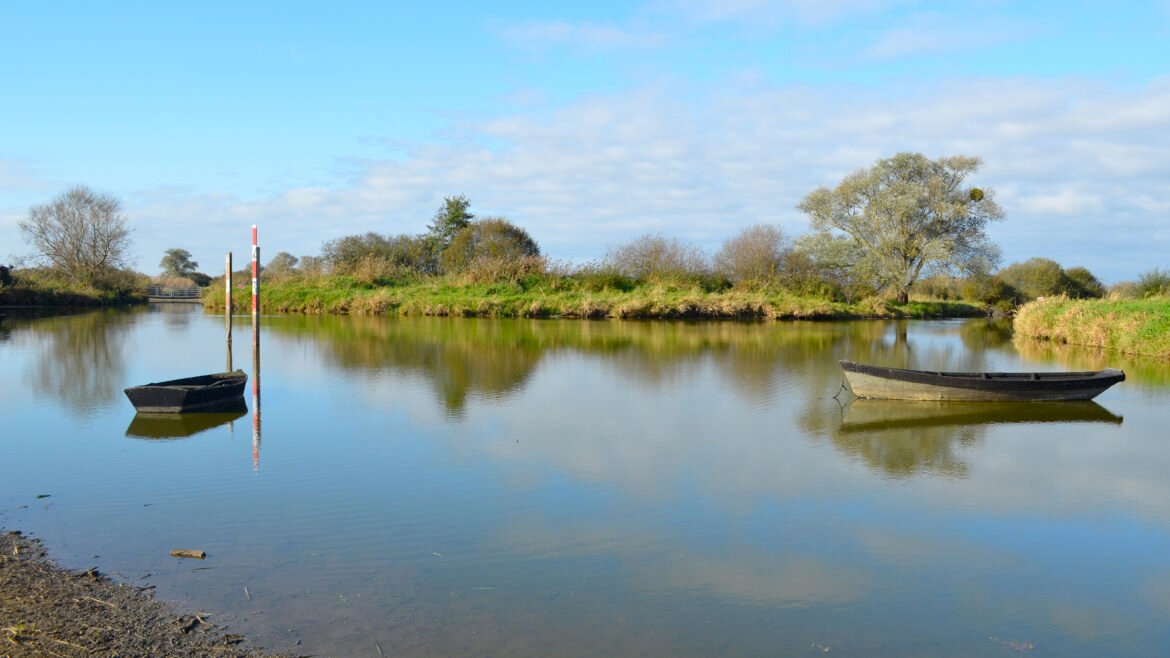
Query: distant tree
point(1035, 277)
point(489, 240)
point(202, 280)
point(5, 275)
point(282, 263)
point(345, 253)
point(1081, 284)
point(312, 265)
point(912, 216)
point(758, 253)
point(81, 233)
point(654, 257)
point(451, 218)
point(1041, 277)
point(177, 262)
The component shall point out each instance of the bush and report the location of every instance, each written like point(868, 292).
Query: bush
point(757, 254)
point(599, 277)
point(489, 245)
point(1043, 277)
point(1079, 283)
point(1155, 283)
point(654, 258)
point(345, 255)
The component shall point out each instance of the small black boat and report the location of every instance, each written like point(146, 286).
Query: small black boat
point(221, 390)
point(898, 384)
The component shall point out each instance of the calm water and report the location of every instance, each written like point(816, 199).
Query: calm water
point(436, 487)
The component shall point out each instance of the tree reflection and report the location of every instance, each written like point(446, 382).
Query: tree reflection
point(459, 357)
point(81, 358)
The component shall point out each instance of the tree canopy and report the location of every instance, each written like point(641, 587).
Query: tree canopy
point(1039, 277)
point(177, 262)
point(81, 233)
point(492, 239)
point(451, 218)
point(911, 216)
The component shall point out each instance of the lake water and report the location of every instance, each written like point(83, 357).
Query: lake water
point(451, 487)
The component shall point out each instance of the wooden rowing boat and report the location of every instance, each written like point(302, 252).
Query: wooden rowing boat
point(878, 382)
point(191, 394)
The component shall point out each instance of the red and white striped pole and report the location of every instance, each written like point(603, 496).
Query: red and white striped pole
point(255, 274)
point(255, 352)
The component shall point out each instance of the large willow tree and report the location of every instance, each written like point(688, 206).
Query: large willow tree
point(912, 216)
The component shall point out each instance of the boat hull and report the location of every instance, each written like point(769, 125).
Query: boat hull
point(876, 382)
point(214, 392)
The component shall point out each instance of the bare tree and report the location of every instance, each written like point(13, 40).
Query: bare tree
point(81, 233)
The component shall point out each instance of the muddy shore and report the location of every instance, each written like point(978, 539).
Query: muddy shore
point(49, 611)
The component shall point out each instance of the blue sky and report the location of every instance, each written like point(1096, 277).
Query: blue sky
point(588, 124)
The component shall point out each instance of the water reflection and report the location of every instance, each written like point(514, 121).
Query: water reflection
point(463, 358)
point(625, 488)
point(904, 438)
point(179, 426)
point(875, 415)
point(1144, 371)
point(81, 358)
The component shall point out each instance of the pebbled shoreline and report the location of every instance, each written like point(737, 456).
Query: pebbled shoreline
point(49, 611)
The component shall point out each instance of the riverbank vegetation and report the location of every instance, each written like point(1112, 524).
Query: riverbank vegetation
point(533, 289)
point(1133, 326)
point(903, 238)
point(46, 286)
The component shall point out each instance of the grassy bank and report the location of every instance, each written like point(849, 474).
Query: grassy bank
point(1130, 326)
point(43, 287)
point(560, 298)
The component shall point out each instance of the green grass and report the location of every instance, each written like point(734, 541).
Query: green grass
point(561, 297)
point(1129, 326)
point(44, 287)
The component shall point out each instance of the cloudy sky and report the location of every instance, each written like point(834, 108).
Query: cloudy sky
point(588, 124)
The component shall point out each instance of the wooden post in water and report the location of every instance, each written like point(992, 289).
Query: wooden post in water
point(255, 352)
point(227, 313)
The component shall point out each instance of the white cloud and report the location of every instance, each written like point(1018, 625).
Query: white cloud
point(1064, 201)
point(700, 163)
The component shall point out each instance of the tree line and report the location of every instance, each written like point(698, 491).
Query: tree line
point(907, 224)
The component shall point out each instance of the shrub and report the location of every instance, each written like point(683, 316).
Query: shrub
point(598, 277)
point(488, 243)
point(1155, 283)
point(757, 254)
point(346, 254)
point(658, 259)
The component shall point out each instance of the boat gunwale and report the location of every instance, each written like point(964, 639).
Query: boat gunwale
point(1032, 386)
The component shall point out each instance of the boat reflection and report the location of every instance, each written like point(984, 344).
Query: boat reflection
point(878, 415)
point(180, 426)
point(908, 438)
